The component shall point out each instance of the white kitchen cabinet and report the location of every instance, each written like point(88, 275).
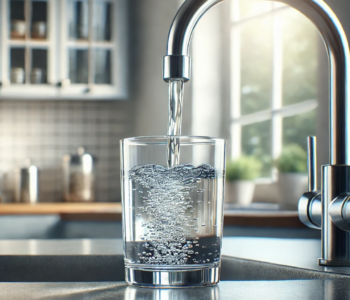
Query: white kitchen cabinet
point(63, 49)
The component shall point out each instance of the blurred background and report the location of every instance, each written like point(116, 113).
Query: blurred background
point(78, 76)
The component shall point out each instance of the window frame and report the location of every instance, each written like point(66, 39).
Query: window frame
point(277, 111)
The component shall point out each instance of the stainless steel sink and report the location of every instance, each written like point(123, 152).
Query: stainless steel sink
point(226, 290)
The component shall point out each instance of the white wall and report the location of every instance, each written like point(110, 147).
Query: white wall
point(150, 22)
point(207, 75)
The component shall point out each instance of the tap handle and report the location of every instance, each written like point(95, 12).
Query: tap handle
point(312, 163)
point(310, 207)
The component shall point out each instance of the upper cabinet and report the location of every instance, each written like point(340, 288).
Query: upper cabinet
point(63, 49)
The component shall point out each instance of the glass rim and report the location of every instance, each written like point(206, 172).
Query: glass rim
point(163, 139)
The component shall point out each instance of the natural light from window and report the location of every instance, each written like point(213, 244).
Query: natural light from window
point(274, 61)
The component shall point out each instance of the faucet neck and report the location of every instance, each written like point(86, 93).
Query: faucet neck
point(177, 62)
point(185, 21)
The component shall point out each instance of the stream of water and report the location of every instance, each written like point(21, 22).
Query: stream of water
point(176, 88)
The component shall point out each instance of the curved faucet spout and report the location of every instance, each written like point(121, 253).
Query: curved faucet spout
point(177, 64)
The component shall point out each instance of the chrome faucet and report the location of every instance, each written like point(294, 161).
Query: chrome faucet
point(329, 209)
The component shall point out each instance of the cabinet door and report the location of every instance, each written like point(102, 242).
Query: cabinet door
point(28, 69)
point(70, 49)
point(91, 48)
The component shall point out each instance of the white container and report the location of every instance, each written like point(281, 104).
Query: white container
point(36, 76)
point(291, 186)
point(18, 28)
point(17, 75)
point(39, 30)
point(239, 192)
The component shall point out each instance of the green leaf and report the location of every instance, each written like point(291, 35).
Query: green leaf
point(244, 168)
point(292, 160)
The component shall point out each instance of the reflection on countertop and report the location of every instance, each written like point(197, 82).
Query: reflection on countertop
point(243, 259)
point(226, 290)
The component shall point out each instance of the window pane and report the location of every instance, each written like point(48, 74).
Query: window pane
point(102, 21)
point(78, 14)
point(102, 66)
point(39, 19)
point(300, 40)
point(256, 62)
point(17, 65)
point(78, 65)
point(250, 8)
point(297, 128)
point(39, 66)
point(256, 141)
point(18, 24)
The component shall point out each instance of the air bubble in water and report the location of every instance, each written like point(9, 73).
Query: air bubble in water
point(167, 204)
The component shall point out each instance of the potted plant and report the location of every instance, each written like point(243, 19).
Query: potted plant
point(292, 178)
point(240, 175)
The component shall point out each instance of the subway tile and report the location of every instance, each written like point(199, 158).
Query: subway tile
point(45, 131)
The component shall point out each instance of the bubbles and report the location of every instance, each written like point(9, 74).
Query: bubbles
point(166, 209)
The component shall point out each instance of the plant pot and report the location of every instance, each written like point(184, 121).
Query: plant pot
point(291, 187)
point(239, 192)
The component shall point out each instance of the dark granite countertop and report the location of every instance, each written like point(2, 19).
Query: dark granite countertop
point(300, 253)
point(98, 266)
point(226, 290)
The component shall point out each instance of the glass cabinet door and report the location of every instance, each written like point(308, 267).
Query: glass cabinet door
point(72, 49)
point(89, 46)
point(102, 25)
point(27, 41)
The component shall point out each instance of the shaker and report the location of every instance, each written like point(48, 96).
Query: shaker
point(78, 177)
point(26, 181)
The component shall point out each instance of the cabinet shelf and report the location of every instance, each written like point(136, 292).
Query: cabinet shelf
point(29, 42)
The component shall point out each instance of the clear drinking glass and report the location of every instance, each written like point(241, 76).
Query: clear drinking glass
point(172, 217)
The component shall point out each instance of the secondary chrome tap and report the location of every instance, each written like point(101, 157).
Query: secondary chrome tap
point(328, 209)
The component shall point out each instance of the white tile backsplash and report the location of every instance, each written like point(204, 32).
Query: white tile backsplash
point(45, 131)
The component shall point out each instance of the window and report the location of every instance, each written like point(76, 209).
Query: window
point(274, 61)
